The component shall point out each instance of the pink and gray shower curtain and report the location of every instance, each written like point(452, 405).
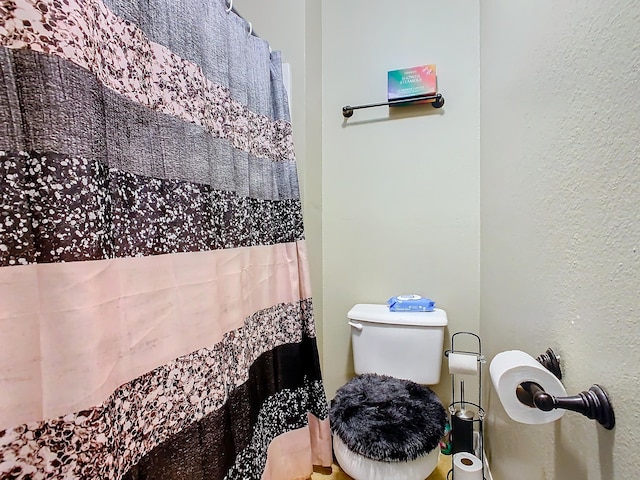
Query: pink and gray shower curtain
point(155, 312)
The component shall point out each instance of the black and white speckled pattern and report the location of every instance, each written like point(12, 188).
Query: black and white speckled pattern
point(280, 413)
point(53, 208)
point(152, 217)
point(58, 208)
point(106, 441)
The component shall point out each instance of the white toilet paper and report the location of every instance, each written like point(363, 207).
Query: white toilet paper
point(508, 370)
point(463, 363)
point(466, 466)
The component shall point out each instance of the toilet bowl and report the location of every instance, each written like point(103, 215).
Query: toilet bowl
point(406, 346)
point(360, 467)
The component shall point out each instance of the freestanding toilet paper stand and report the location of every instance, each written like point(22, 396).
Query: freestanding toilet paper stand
point(466, 417)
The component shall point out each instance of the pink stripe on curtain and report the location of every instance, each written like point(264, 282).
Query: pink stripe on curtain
point(293, 454)
point(121, 318)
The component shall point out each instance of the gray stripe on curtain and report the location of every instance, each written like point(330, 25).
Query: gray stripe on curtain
point(199, 31)
point(48, 104)
point(237, 39)
point(281, 107)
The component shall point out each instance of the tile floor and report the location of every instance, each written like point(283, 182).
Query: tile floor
point(440, 473)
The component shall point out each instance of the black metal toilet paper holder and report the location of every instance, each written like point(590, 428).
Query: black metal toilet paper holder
point(593, 403)
point(476, 421)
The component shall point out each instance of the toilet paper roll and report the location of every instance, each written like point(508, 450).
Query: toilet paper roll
point(508, 370)
point(467, 466)
point(463, 363)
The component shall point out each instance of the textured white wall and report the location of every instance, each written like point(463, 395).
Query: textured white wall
point(560, 172)
point(400, 190)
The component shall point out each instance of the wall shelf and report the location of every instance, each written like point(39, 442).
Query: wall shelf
point(436, 101)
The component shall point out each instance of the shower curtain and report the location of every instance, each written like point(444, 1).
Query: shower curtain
point(156, 317)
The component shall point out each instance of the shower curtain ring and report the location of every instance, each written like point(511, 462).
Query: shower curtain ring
point(230, 7)
point(250, 28)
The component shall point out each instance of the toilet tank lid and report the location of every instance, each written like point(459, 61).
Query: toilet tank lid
point(379, 313)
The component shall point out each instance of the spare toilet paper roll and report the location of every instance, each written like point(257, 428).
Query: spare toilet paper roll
point(467, 466)
point(508, 370)
point(463, 363)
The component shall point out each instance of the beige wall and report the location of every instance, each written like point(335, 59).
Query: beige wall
point(561, 222)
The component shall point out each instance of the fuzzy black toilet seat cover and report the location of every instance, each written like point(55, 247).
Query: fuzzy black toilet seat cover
point(387, 419)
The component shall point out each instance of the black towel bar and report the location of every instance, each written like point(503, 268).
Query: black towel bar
point(438, 102)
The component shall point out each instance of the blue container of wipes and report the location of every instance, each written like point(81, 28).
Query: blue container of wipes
point(410, 303)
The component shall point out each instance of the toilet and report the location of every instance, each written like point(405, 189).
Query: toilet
point(403, 350)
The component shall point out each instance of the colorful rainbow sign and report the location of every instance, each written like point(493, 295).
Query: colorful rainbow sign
point(412, 82)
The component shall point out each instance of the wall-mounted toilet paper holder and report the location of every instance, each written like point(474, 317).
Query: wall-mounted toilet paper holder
point(593, 403)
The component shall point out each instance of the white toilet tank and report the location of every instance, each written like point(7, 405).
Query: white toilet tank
point(406, 345)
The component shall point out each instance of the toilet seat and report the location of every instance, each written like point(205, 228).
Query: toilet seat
point(386, 428)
